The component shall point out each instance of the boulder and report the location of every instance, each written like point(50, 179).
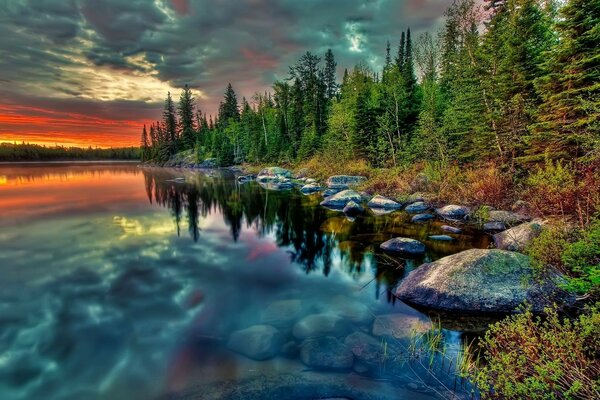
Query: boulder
point(453, 211)
point(403, 245)
point(494, 226)
point(326, 352)
point(442, 238)
point(399, 325)
point(344, 180)
point(259, 342)
point(367, 350)
point(353, 208)
point(339, 200)
point(380, 211)
point(275, 185)
point(245, 178)
point(515, 239)
point(451, 229)
point(422, 217)
point(476, 280)
point(417, 207)
point(507, 217)
point(310, 180)
point(315, 325)
point(282, 313)
point(310, 188)
point(383, 202)
point(273, 174)
point(350, 310)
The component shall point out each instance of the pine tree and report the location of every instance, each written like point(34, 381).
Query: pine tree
point(187, 125)
point(170, 125)
point(330, 75)
point(229, 108)
point(569, 116)
point(400, 57)
point(144, 145)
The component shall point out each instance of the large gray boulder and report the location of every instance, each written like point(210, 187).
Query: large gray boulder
point(273, 174)
point(344, 180)
point(517, 238)
point(259, 342)
point(339, 200)
point(453, 211)
point(282, 313)
point(326, 352)
point(383, 202)
point(506, 217)
point(476, 280)
point(422, 218)
point(403, 245)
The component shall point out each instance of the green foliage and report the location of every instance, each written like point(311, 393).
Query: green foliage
point(541, 358)
point(582, 258)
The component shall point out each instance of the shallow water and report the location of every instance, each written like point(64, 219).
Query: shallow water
point(123, 283)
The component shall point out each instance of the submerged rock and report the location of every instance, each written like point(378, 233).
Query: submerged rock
point(259, 342)
point(318, 325)
point(344, 180)
point(339, 200)
point(416, 207)
point(274, 185)
point(326, 352)
point(451, 229)
point(422, 217)
point(310, 188)
point(273, 174)
point(332, 191)
point(383, 202)
point(442, 238)
point(367, 350)
point(515, 239)
point(403, 245)
point(399, 325)
point(476, 280)
point(282, 313)
point(453, 211)
point(353, 208)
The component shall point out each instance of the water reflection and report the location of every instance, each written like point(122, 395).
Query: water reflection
point(314, 237)
point(127, 283)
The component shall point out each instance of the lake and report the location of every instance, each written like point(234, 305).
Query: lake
point(121, 282)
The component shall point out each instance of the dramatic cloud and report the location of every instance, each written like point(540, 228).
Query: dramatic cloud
point(92, 71)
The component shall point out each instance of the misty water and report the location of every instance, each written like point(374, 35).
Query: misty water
point(121, 282)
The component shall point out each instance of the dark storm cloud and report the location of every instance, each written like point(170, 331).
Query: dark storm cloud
point(51, 46)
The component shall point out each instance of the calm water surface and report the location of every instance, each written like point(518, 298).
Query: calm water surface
point(123, 283)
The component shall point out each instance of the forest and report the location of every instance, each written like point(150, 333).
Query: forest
point(10, 152)
point(515, 82)
point(499, 108)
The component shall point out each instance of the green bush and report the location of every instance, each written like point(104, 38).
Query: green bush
point(582, 258)
point(527, 357)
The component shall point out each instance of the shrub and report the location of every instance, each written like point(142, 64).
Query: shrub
point(527, 357)
point(582, 258)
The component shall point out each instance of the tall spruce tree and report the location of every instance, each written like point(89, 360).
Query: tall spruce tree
point(170, 125)
point(568, 119)
point(187, 126)
point(229, 108)
point(330, 75)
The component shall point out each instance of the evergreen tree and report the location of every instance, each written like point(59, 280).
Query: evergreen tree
point(401, 55)
point(330, 75)
point(170, 125)
point(229, 107)
point(187, 125)
point(145, 145)
point(568, 118)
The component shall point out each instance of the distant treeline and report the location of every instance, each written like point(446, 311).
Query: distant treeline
point(34, 152)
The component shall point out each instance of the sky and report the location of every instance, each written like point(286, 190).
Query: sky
point(92, 72)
